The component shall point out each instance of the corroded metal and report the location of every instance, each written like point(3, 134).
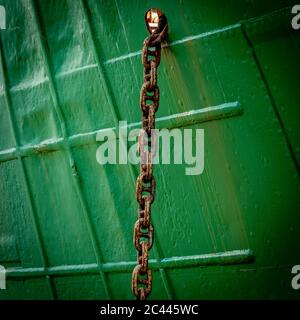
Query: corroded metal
point(145, 186)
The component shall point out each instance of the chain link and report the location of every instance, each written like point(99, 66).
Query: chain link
point(147, 147)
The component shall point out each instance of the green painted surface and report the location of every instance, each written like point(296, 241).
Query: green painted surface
point(71, 68)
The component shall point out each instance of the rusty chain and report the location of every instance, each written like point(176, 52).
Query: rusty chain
point(145, 186)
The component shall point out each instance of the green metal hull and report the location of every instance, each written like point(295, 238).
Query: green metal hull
point(70, 68)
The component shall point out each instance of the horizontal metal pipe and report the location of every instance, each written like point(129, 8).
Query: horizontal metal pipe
point(177, 120)
point(204, 260)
